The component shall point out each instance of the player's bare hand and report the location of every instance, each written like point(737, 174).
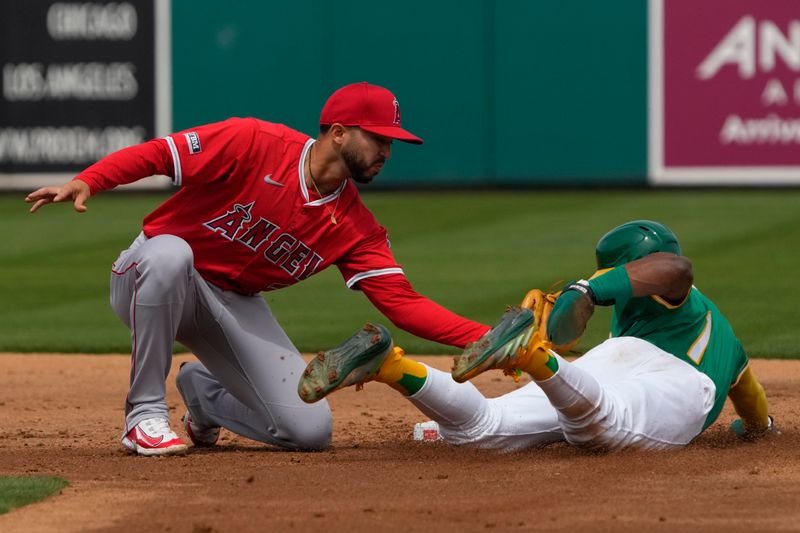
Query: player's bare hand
point(77, 191)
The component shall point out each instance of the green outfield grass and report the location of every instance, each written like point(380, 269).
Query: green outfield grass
point(19, 491)
point(474, 252)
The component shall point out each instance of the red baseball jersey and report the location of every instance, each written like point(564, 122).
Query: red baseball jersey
point(247, 213)
point(244, 208)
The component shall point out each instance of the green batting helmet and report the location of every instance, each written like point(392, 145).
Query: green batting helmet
point(634, 240)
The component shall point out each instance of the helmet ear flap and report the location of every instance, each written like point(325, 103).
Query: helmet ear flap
point(634, 240)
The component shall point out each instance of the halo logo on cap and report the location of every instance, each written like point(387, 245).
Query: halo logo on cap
point(396, 112)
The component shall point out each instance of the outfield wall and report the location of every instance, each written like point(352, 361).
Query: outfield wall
point(513, 91)
point(504, 92)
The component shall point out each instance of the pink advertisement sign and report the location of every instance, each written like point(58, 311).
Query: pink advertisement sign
point(725, 91)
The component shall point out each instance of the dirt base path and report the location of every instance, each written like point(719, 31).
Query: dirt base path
point(62, 415)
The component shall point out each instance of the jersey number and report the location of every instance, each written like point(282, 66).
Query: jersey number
point(700, 344)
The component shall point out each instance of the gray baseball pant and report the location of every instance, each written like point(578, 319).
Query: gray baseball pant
point(247, 378)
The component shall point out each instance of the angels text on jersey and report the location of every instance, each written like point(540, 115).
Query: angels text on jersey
point(279, 247)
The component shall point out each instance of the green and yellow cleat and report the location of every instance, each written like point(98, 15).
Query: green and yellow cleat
point(354, 362)
point(499, 347)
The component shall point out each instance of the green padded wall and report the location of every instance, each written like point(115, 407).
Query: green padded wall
point(571, 91)
point(512, 92)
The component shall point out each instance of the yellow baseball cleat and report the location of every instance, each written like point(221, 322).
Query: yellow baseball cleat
point(497, 348)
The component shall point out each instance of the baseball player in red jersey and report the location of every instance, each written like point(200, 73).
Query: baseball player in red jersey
point(259, 207)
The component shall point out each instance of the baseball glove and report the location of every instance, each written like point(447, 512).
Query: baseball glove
point(541, 304)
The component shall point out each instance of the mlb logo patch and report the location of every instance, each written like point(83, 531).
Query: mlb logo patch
point(193, 140)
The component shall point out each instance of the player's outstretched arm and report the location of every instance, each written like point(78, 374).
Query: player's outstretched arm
point(76, 190)
point(123, 166)
point(661, 274)
point(750, 402)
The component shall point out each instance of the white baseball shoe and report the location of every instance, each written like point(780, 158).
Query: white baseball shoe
point(153, 437)
point(201, 437)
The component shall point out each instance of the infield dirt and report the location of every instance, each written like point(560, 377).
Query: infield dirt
point(62, 415)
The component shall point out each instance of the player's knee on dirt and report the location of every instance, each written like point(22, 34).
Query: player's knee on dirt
point(302, 427)
point(308, 431)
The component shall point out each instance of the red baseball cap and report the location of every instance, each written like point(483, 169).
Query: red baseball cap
point(370, 107)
